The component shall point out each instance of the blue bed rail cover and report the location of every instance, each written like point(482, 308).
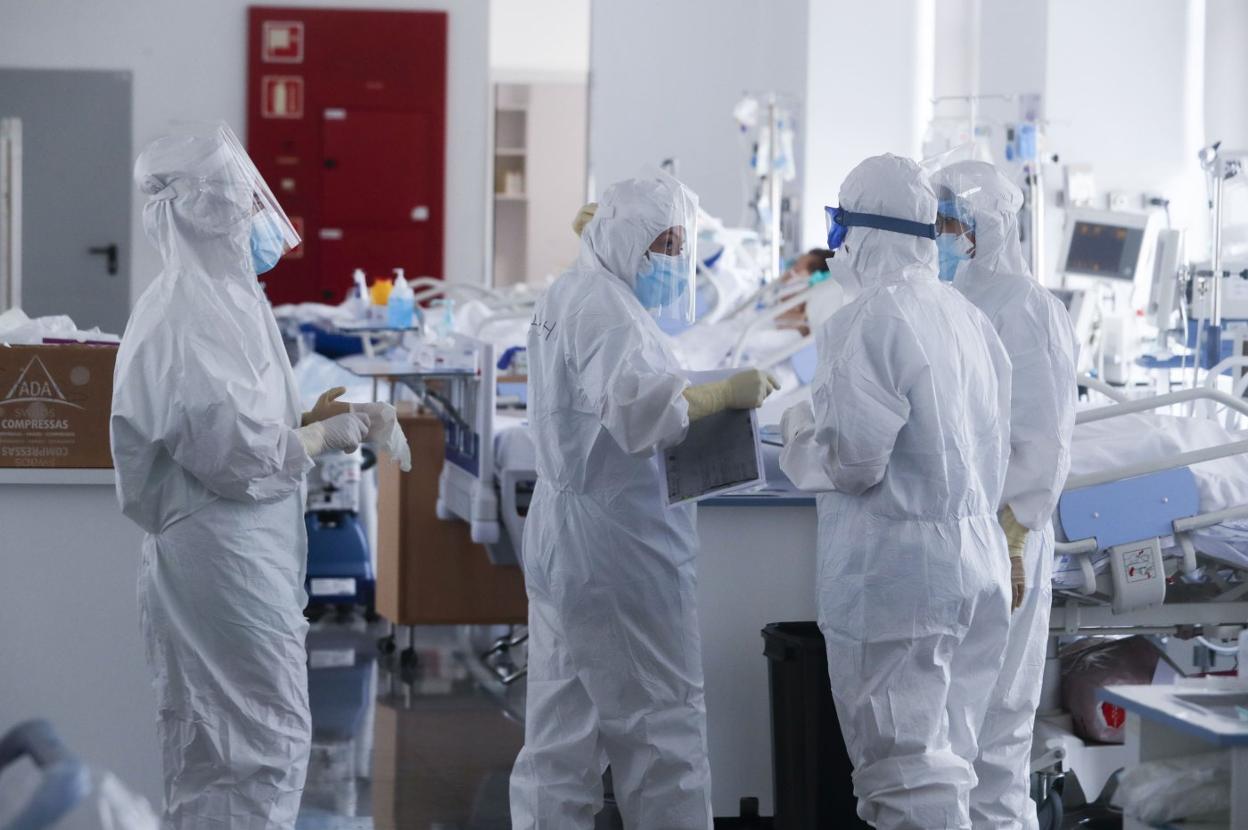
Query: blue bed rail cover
point(1129, 510)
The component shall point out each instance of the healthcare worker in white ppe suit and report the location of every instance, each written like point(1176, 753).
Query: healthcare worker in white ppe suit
point(981, 254)
point(909, 434)
point(615, 663)
point(210, 457)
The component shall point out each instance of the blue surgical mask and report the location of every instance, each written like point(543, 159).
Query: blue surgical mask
point(661, 280)
point(953, 248)
point(267, 245)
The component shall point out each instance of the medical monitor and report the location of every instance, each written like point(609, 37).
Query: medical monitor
point(1112, 249)
point(1104, 244)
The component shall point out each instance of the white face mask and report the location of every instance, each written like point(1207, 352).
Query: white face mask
point(840, 271)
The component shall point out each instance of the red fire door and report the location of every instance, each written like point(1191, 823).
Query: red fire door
point(378, 195)
point(347, 122)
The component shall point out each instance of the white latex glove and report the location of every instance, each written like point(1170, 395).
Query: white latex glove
point(385, 434)
point(801, 459)
point(342, 432)
point(794, 420)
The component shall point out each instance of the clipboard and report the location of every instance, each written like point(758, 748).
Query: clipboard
point(721, 454)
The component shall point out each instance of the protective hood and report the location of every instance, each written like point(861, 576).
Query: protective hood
point(1035, 329)
point(203, 193)
point(204, 400)
point(889, 185)
point(630, 215)
point(994, 202)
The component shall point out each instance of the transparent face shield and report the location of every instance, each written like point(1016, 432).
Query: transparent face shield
point(955, 229)
point(666, 280)
point(272, 224)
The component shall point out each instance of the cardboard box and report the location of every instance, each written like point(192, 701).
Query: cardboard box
point(429, 571)
point(54, 405)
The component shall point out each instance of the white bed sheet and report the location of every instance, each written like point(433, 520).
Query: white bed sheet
point(1097, 446)
point(513, 444)
point(1144, 437)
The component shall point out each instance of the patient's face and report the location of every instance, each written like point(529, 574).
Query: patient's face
point(804, 266)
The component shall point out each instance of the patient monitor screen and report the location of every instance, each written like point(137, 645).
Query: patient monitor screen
point(1101, 250)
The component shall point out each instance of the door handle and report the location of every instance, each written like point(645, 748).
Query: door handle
point(110, 252)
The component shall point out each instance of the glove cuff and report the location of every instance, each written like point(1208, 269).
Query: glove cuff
point(706, 399)
point(312, 436)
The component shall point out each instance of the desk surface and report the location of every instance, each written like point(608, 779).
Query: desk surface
point(377, 367)
point(1161, 704)
point(763, 498)
point(372, 328)
point(45, 476)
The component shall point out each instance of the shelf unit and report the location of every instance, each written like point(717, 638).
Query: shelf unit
point(511, 219)
point(539, 154)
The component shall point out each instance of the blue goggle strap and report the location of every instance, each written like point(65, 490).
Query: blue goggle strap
point(845, 219)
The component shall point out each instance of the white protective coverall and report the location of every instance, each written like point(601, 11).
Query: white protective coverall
point(1036, 330)
point(209, 463)
point(615, 670)
point(910, 425)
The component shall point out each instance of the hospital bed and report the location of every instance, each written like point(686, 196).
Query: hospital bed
point(491, 487)
point(1141, 550)
point(1152, 539)
point(751, 336)
point(471, 488)
point(1130, 532)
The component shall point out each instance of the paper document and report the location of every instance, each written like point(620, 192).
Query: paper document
point(721, 454)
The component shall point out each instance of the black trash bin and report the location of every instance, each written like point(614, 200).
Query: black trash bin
point(811, 772)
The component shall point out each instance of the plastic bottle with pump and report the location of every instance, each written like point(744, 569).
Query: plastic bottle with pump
point(440, 321)
point(360, 299)
point(401, 305)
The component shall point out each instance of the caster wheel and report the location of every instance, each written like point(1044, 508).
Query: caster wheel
point(1050, 813)
point(386, 645)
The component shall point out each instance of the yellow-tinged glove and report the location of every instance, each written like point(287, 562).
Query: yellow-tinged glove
point(1018, 582)
point(327, 406)
point(744, 390)
point(1016, 541)
point(583, 216)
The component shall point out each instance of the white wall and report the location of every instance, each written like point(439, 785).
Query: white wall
point(664, 77)
point(541, 38)
point(956, 26)
point(868, 92)
point(189, 62)
point(1010, 65)
point(1226, 73)
point(555, 175)
point(1123, 91)
point(1128, 99)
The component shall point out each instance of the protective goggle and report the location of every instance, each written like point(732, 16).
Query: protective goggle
point(953, 216)
point(841, 220)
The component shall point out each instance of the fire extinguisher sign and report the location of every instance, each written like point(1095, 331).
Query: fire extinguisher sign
point(281, 41)
point(281, 96)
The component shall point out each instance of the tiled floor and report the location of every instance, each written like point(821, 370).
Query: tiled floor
point(426, 749)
